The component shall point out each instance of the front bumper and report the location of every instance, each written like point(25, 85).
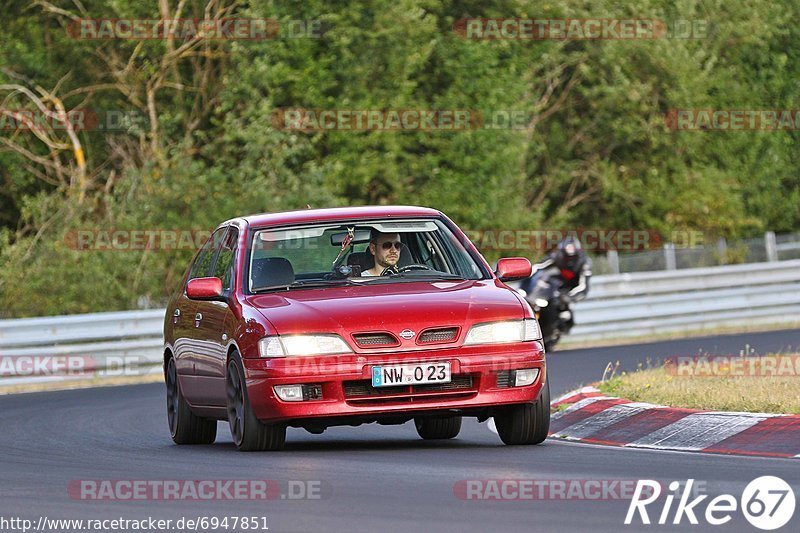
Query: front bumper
point(347, 392)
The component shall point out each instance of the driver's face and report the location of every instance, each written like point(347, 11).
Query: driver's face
point(386, 257)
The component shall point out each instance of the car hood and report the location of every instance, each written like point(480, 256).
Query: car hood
point(388, 307)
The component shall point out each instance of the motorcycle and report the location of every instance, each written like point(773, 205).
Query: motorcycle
point(550, 305)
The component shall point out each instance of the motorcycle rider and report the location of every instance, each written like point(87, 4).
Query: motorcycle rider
point(575, 269)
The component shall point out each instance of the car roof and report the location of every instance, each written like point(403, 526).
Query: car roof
point(338, 213)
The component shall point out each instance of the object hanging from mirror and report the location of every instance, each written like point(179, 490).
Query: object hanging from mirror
point(344, 271)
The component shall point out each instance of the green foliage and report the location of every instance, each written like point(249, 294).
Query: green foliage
point(598, 153)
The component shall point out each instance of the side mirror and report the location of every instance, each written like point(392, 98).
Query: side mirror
point(513, 268)
point(204, 289)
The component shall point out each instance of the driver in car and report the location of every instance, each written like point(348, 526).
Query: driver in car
point(385, 247)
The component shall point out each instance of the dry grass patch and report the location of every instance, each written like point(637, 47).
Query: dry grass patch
point(757, 394)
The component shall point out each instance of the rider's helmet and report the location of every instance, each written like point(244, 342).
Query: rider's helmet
point(568, 253)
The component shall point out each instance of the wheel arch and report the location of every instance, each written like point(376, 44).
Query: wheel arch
point(231, 348)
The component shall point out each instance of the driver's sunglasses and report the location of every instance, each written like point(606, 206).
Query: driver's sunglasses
point(388, 245)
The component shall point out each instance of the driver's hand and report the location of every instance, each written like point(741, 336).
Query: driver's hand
point(390, 271)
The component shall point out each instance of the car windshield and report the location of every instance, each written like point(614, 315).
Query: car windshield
point(340, 253)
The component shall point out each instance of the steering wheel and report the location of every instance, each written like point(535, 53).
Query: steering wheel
point(415, 266)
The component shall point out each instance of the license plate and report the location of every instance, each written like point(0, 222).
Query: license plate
point(411, 374)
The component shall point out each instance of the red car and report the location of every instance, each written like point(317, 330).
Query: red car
point(346, 316)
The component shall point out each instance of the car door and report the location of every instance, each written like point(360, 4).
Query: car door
point(182, 330)
point(189, 344)
point(213, 328)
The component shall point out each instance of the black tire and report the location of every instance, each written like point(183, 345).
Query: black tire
point(184, 426)
point(248, 432)
point(438, 428)
point(550, 344)
point(527, 423)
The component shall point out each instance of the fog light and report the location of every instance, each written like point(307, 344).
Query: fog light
point(525, 377)
point(289, 393)
point(299, 393)
point(312, 392)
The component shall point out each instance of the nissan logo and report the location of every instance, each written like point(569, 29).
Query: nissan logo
point(407, 334)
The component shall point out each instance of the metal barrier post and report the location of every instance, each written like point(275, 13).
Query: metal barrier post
point(771, 246)
point(613, 261)
point(722, 250)
point(669, 256)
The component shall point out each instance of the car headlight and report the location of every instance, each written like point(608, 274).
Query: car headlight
point(506, 331)
point(298, 345)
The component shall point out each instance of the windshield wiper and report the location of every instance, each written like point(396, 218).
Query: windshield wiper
point(429, 273)
point(306, 284)
point(421, 276)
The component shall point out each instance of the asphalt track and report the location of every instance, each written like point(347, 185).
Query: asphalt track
point(370, 478)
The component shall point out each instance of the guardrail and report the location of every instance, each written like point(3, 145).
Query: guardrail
point(97, 345)
point(689, 300)
point(691, 252)
point(619, 305)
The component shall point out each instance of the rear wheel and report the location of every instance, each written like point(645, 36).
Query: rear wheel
point(248, 432)
point(184, 426)
point(438, 428)
point(527, 423)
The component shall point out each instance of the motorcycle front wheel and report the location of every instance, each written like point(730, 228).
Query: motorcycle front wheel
point(550, 344)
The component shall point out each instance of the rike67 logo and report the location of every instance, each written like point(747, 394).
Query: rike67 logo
point(767, 502)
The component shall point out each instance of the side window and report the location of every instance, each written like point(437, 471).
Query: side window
point(204, 260)
point(223, 269)
point(460, 260)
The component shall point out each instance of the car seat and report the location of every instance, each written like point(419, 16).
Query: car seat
point(271, 272)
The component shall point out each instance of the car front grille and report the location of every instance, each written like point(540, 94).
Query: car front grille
point(374, 340)
point(435, 335)
point(362, 392)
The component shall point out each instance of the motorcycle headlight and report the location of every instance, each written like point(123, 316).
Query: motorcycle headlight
point(504, 332)
point(300, 345)
point(541, 302)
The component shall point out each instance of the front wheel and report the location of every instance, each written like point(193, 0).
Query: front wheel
point(550, 344)
point(248, 432)
point(527, 423)
point(438, 428)
point(184, 426)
